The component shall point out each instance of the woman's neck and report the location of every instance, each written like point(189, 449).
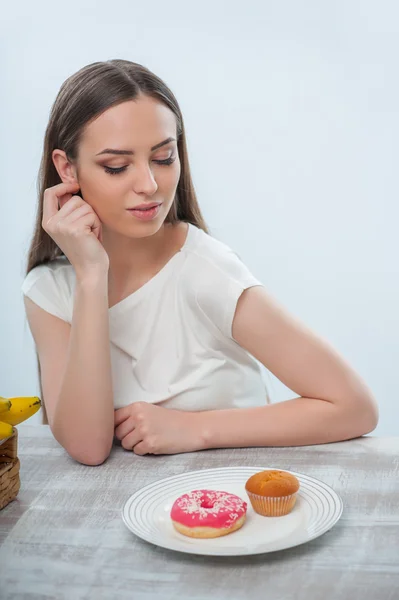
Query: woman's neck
point(136, 255)
point(132, 261)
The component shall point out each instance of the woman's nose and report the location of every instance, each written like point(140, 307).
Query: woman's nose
point(144, 182)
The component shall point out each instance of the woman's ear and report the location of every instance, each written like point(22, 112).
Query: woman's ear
point(65, 168)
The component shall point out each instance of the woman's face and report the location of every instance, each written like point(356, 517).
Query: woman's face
point(127, 157)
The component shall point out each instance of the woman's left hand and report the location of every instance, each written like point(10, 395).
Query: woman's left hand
point(150, 429)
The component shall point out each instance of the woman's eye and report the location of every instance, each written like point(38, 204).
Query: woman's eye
point(114, 170)
point(166, 161)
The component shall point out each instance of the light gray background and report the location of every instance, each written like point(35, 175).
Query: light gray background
point(291, 110)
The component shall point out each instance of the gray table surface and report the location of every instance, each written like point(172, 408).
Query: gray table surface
point(64, 536)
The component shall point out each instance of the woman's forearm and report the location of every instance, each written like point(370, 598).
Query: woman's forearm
point(297, 422)
point(83, 419)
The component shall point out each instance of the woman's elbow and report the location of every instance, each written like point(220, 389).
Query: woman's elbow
point(90, 458)
point(365, 416)
point(85, 451)
point(372, 416)
point(90, 453)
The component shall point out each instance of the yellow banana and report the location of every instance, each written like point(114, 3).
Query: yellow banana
point(5, 404)
point(5, 430)
point(21, 409)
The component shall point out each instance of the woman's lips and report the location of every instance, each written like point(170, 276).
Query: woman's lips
point(145, 214)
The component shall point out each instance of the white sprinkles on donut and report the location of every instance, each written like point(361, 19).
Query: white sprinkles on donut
point(221, 507)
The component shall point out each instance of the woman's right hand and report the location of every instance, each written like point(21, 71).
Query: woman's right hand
point(75, 228)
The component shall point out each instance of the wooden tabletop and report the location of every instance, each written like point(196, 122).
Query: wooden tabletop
point(64, 536)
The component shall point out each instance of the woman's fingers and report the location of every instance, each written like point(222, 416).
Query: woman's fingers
point(124, 428)
point(140, 449)
point(121, 414)
point(77, 212)
point(52, 197)
point(73, 203)
point(74, 229)
point(131, 440)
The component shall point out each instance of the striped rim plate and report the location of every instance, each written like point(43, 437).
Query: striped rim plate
point(147, 514)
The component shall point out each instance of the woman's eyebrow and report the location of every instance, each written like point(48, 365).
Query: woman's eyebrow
point(130, 152)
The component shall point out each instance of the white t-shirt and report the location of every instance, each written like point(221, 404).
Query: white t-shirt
point(171, 340)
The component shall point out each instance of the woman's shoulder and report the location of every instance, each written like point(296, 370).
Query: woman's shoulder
point(214, 279)
point(58, 271)
point(50, 285)
point(210, 254)
point(205, 245)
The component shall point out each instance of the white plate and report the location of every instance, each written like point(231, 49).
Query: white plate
point(147, 514)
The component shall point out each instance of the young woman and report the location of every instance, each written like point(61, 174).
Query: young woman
point(146, 327)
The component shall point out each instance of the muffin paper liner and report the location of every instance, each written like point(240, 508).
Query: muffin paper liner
point(270, 506)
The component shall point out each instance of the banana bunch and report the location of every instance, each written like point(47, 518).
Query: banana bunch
point(15, 410)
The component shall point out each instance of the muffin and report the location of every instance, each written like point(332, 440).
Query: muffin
point(272, 493)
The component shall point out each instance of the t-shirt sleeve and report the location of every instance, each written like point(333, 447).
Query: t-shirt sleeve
point(45, 288)
point(221, 282)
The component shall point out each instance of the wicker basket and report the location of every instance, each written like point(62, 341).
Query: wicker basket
point(9, 469)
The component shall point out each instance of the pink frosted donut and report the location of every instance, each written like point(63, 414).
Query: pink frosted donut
point(208, 513)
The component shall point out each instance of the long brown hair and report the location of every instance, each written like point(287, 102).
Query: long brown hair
point(83, 97)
